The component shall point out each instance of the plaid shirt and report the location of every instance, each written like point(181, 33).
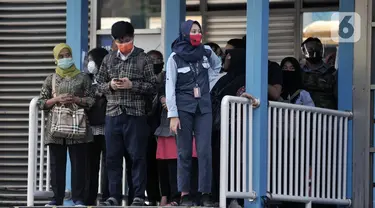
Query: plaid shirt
point(138, 67)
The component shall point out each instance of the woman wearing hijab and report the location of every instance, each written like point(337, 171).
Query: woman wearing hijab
point(292, 90)
point(189, 107)
point(97, 121)
point(166, 148)
point(235, 66)
point(70, 87)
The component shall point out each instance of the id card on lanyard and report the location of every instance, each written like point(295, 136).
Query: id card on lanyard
point(197, 89)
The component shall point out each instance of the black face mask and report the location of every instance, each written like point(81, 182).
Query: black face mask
point(158, 68)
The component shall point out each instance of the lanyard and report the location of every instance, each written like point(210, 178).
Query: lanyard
point(195, 70)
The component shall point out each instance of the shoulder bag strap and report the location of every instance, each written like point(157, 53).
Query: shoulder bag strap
point(295, 94)
point(54, 85)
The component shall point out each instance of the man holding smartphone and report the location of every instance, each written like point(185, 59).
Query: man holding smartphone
point(127, 78)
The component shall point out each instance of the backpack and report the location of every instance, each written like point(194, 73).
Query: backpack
point(96, 114)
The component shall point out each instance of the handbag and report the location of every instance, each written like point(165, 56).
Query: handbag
point(68, 123)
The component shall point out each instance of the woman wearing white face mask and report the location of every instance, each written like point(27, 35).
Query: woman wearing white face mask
point(97, 120)
point(65, 93)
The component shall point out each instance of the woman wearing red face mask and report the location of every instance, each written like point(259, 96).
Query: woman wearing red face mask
point(189, 69)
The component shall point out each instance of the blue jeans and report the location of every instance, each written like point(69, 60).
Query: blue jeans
point(123, 134)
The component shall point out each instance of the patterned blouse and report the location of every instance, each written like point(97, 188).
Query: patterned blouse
point(80, 86)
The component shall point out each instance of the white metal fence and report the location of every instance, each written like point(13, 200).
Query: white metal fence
point(307, 153)
point(38, 181)
point(236, 144)
point(307, 160)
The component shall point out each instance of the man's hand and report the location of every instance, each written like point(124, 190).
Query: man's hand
point(124, 83)
point(113, 84)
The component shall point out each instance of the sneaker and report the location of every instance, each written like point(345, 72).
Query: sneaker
point(110, 202)
point(186, 201)
point(79, 204)
point(52, 203)
point(138, 202)
point(206, 200)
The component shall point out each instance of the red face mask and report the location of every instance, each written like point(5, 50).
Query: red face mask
point(125, 48)
point(195, 39)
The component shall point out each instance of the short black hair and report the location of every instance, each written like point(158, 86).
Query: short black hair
point(236, 43)
point(213, 46)
point(121, 29)
point(97, 55)
point(155, 52)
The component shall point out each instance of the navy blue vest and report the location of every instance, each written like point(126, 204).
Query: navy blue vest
point(190, 75)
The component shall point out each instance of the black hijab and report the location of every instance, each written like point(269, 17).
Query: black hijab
point(235, 75)
point(292, 80)
point(229, 83)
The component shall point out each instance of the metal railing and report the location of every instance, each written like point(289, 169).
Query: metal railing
point(236, 167)
point(307, 153)
point(38, 181)
point(307, 160)
point(36, 187)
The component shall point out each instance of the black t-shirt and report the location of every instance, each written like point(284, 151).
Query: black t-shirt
point(275, 74)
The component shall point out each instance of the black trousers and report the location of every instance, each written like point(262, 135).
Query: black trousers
point(215, 166)
point(77, 155)
point(95, 149)
point(152, 188)
point(168, 180)
point(129, 177)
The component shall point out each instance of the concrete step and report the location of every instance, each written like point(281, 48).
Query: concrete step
point(100, 207)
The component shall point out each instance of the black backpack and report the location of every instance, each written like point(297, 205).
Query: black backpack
point(97, 112)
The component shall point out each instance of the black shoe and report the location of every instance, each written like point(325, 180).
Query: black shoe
point(138, 202)
point(152, 204)
point(110, 202)
point(186, 201)
point(206, 200)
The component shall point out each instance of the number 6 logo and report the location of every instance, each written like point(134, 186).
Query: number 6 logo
point(349, 30)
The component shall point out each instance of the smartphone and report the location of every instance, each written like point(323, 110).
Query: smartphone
point(117, 80)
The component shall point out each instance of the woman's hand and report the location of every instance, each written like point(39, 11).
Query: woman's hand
point(174, 125)
point(255, 102)
point(76, 100)
point(63, 99)
point(164, 103)
point(60, 99)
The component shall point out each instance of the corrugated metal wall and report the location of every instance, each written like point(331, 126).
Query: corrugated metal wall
point(221, 28)
point(29, 29)
point(28, 32)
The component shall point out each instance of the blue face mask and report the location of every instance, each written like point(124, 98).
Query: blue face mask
point(65, 63)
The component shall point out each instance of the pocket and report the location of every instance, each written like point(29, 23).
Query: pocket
point(183, 70)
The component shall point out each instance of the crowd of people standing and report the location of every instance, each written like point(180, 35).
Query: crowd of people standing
point(164, 123)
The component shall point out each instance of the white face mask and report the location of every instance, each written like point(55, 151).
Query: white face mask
point(91, 67)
